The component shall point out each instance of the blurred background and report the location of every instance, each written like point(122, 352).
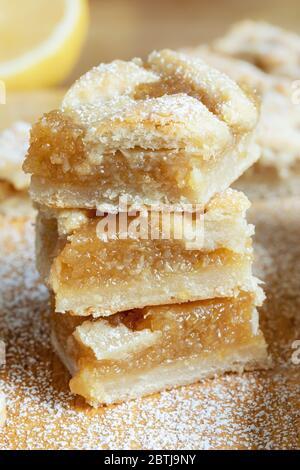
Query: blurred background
point(104, 30)
point(101, 31)
point(126, 28)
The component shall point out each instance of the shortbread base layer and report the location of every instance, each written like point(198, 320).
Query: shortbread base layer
point(140, 352)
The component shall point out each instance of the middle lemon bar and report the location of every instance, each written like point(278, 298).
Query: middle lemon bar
point(98, 272)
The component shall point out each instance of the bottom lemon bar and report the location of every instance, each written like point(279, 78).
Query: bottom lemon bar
point(135, 353)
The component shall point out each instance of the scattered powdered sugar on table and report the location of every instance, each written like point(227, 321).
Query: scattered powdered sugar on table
point(254, 410)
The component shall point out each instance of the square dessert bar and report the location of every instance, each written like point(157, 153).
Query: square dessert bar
point(90, 273)
point(166, 132)
point(135, 353)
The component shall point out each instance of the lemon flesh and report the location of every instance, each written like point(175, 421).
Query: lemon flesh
point(40, 41)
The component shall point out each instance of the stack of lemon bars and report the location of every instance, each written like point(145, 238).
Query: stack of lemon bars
point(145, 249)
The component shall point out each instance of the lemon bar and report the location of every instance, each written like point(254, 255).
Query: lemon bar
point(92, 272)
point(166, 132)
point(135, 353)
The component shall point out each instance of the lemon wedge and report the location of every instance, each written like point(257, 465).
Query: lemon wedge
point(40, 41)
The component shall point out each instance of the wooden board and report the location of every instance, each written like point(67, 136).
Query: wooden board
point(259, 410)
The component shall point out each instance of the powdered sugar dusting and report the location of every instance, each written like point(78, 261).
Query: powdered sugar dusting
point(254, 410)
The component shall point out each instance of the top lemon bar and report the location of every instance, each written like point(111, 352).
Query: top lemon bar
point(164, 133)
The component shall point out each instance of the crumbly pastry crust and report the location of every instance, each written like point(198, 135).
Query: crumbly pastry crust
point(133, 353)
point(90, 275)
point(223, 220)
point(159, 133)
